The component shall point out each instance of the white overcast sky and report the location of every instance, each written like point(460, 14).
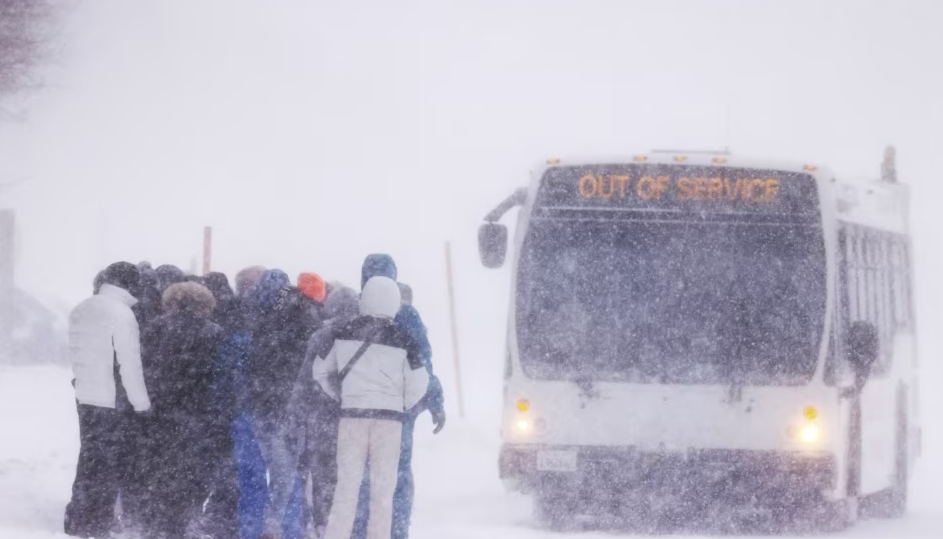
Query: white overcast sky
point(311, 133)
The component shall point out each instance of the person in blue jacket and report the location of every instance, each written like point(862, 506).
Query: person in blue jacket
point(383, 265)
point(282, 324)
point(250, 467)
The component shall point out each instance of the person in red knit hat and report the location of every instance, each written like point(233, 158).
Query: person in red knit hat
point(313, 286)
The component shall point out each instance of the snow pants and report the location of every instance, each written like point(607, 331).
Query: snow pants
point(136, 455)
point(221, 512)
point(403, 496)
point(91, 511)
point(183, 476)
point(360, 440)
point(251, 470)
point(281, 458)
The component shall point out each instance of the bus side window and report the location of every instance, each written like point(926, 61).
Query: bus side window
point(835, 373)
point(873, 286)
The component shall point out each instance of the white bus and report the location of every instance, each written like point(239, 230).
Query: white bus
point(695, 328)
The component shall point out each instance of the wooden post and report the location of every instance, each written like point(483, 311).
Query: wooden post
point(454, 327)
point(207, 249)
point(7, 284)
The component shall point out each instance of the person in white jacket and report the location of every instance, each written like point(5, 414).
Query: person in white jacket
point(105, 349)
point(374, 369)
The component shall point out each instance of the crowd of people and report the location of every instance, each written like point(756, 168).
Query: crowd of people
point(272, 410)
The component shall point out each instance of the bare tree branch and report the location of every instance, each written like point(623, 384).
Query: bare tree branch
point(24, 33)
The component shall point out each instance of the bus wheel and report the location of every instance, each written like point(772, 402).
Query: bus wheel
point(892, 503)
point(553, 511)
point(833, 516)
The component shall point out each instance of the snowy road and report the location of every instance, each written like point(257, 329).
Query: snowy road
point(458, 494)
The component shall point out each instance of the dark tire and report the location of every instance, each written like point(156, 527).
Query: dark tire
point(554, 511)
point(839, 515)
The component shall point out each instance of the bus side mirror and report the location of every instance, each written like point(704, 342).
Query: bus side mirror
point(862, 348)
point(492, 244)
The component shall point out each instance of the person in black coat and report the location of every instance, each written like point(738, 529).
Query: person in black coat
point(168, 274)
point(134, 439)
point(182, 346)
point(284, 322)
point(222, 510)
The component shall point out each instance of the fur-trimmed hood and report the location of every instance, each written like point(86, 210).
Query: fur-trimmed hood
point(189, 296)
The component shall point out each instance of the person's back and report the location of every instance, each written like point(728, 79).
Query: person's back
point(279, 338)
point(313, 414)
point(94, 327)
point(279, 345)
point(185, 344)
point(105, 351)
point(408, 318)
point(186, 349)
point(374, 369)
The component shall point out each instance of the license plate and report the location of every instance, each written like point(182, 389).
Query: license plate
point(556, 461)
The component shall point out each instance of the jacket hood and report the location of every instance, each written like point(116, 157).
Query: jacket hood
point(149, 277)
point(124, 275)
point(118, 294)
point(218, 284)
point(377, 265)
point(269, 286)
point(248, 279)
point(380, 298)
point(313, 286)
point(169, 274)
point(189, 297)
point(341, 304)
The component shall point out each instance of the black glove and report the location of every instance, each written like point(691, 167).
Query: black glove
point(438, 418)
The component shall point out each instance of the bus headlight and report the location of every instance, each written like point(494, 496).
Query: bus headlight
point(523, 426)
point(809, 433)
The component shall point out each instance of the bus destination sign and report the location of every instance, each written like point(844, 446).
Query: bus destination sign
point(681, 188)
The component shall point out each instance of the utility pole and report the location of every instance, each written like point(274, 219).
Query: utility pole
point(207, 249)
point(7, 284)
point(454, 327)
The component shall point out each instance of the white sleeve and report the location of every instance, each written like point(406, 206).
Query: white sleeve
point(323, 368)
point(415, 384)
point(127, 342)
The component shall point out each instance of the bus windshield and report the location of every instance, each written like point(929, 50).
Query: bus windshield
point(671, 302)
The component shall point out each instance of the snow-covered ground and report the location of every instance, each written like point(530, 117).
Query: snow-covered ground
point(458, 493)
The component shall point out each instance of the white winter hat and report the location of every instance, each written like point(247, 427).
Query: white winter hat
point(380, 298)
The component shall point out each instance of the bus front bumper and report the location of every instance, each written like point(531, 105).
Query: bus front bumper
point(617, 471)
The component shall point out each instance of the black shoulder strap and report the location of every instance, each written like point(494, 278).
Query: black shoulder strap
point(353, 360)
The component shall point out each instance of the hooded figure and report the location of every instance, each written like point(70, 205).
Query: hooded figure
point(135, 441)
point(149, 307)
point(248, 279)
point(408, 318)
point(283, 325)
point(234, 359)
point(168, 275)
point(222, 510)
point(104, 347)
point(375, 372)
point(183, 347)
point(315, 415)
